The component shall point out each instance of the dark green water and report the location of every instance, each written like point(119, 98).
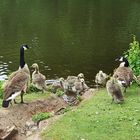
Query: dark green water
point(67, 36)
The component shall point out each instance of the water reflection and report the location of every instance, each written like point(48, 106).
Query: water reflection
point(3, 70)
point(68, 36)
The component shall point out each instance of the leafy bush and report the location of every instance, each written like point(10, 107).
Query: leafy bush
point(41, 116)
point(133, 56)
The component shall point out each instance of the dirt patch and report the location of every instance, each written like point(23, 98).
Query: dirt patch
point(17, 117)
point(19, 114)
point(46, 123)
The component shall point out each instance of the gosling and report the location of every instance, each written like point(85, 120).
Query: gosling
point(114, 90)
point(101, 78)
point(38, 79)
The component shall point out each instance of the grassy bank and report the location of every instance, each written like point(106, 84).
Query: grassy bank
point(99, 119)
point(30, 96)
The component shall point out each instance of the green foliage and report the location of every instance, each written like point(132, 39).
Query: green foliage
point(33, 89)
point(78, 97)
point(59, 93)
point(40, 116)
point(133, 56)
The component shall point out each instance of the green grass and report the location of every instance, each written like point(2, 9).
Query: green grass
point(98, 119)
point(30, 96)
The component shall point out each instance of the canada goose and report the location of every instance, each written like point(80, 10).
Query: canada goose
point(17, 82)
point(123, 73)
point(114, 90)
point(101, 78)
point(38, 79)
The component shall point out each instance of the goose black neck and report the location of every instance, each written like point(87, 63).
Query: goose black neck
point(126, 62)
point(22, 62)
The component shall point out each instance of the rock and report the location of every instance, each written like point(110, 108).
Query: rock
point(43, 123)
point(88, 94)
point(28, 133)
point(34, 128)
point(29, 124)
point(9, 134)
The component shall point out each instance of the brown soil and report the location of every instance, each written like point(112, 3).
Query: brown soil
point(19, 114)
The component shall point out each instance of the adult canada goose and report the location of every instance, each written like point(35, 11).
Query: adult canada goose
point(123, 73)
point(114, 90)
point(17, 82)
point(38, 79)
point(101, 78)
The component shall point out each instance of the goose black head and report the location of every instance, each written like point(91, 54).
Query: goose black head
point(25, 47)
point(123, 60)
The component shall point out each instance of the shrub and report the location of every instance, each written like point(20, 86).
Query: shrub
point(41, 116)
point(133, 56)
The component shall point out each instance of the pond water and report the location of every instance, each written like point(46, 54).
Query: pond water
point(68, 36)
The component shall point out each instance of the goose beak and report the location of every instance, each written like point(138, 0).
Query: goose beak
point(117, 59)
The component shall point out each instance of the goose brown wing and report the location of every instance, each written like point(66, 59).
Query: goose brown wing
point(124, 72)
point(16, 83)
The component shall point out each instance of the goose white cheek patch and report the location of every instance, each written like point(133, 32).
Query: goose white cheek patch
point(121, 59)
point(13, 96)
point(121, 82)
point(24, 48)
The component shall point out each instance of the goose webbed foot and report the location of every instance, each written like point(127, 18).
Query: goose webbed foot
point(22, 102)
point(15, 102)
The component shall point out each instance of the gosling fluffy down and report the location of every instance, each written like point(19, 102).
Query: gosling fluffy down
point(114, 90)
point(74, 84)
point(38, 79)
point(101, 78)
